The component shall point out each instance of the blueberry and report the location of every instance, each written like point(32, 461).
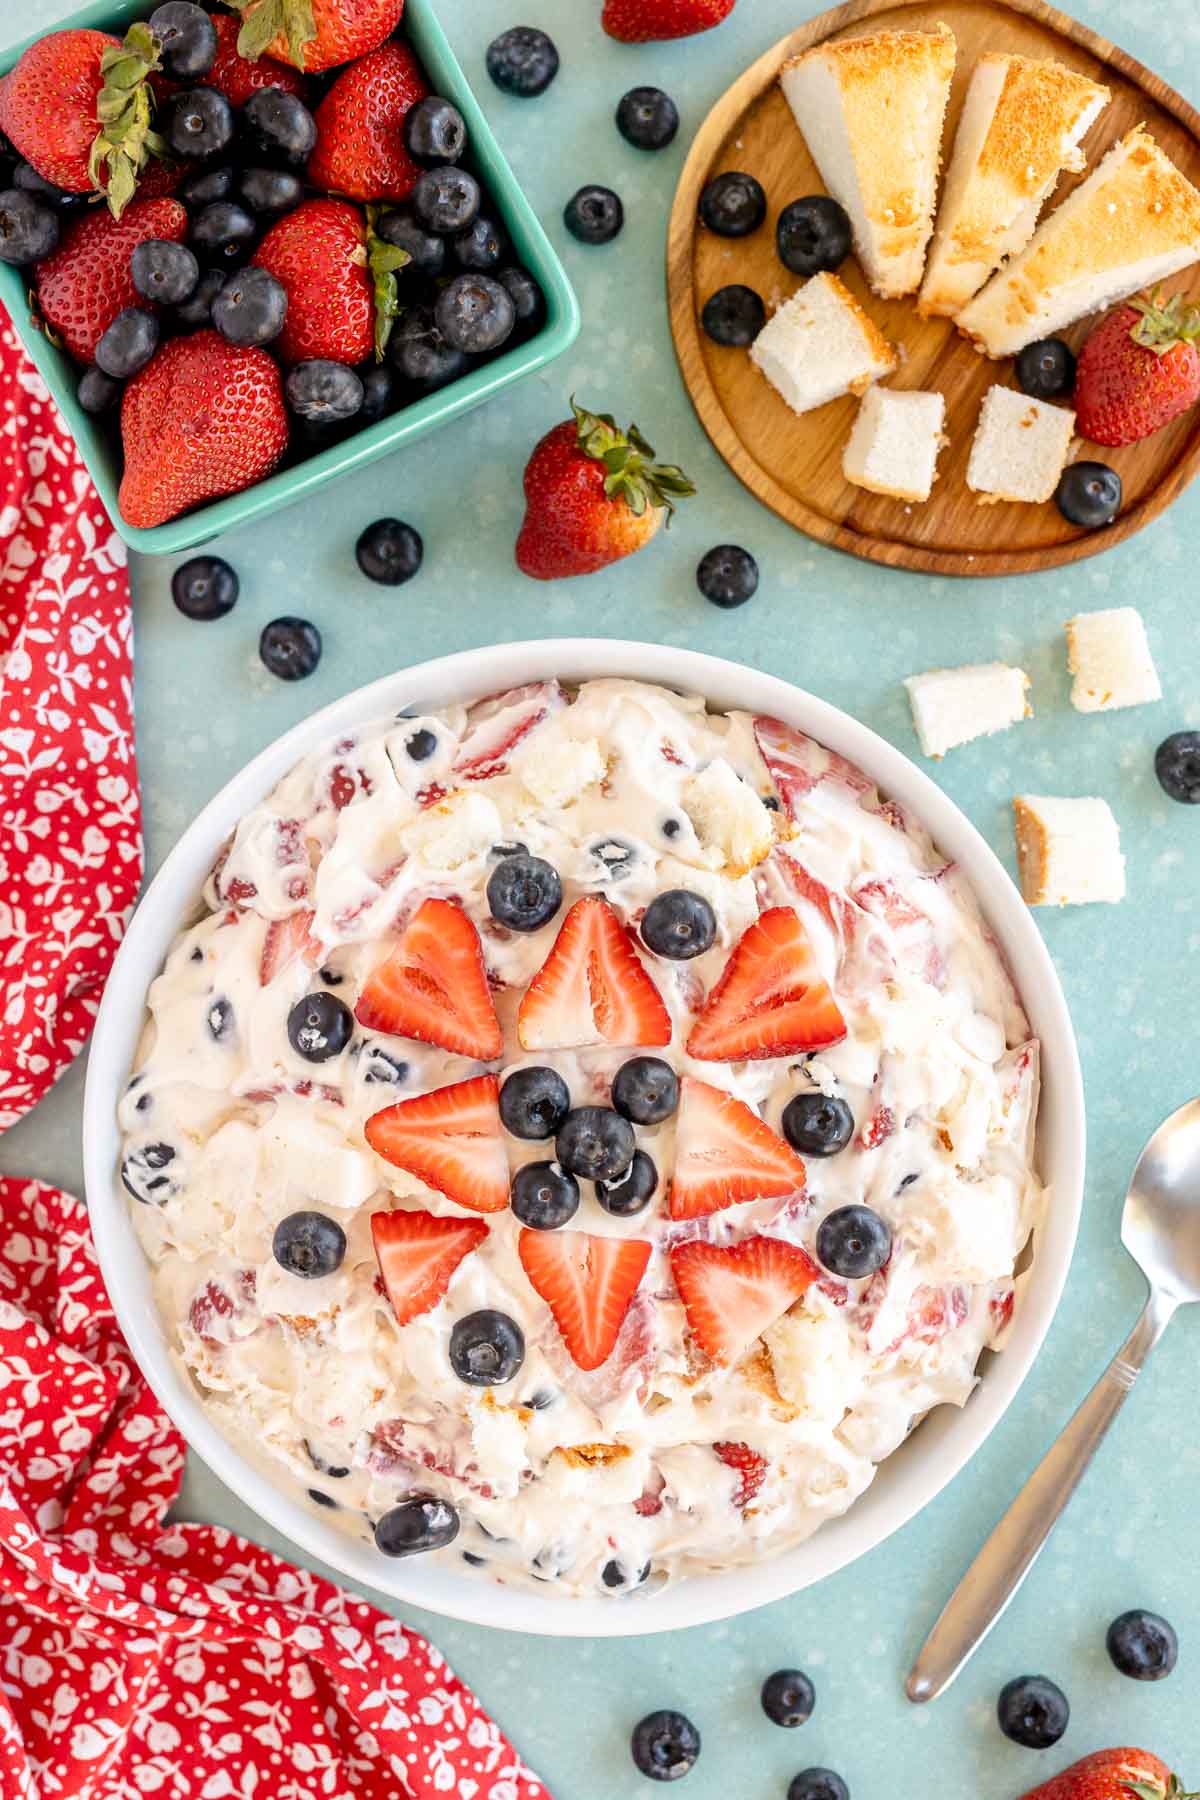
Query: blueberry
point(29, 181)
point(647, 118)
point(279, 127)
point(816, 1125)
point(594, 214)
point(96, 391)
point(420, 1523)
point(733, 204)
point(421, 745)
point(324, 391)
point(321, 1499)
point(498, 852)
point(817, 1784)
point(595, 1143)
point(1089, 494)
point(480, 248)
point(269, 192)
point(813, 234)
point(250, 308)
point(290, 648)
point(208, 185)
point(533, 1103)
point(1033, 1712)
point(1046, 369)
point(853, 1242)
point(541, 1400)
point(435, 131)
point(672, 827)
point(164, 271)
point(665, 1745)
point(475, 314)
point(486, 1348)
point(1177, 765)
point(635, 1190)
point(223, 231)
point(522, 61)
point(476, 1561)
point(198, 310)
point(523, 892)
point(679, 925)
point(222, 1027)
point(188, 40)
point(320, 1026)
point(143, 1174)
point(335, 1471)
point(616, 858)
point(427, 250)
point(1142, 1645)
point(728, 576)
point(525, 295)
point(309, 1244)
point(204, 587)
point(382, 1066)
point(379, 392)
point(734, 316)
point(544, 1196)
point(198, 122)
point(421, 355)
point(29, 230)
point(788, 1697)
point(128, 344)
point(445, 200)
point(390, 552)
point(616, 1574)
point(646, 1090)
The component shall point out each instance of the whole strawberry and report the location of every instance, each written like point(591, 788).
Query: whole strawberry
point(360, 128)
point(593, 494)
point(639, 21)
point(315, 34)
point(85, 284)
point(319, 253)
point(203, 418)
point(1139, 369)
point(1113, 1775)
point(237, 78)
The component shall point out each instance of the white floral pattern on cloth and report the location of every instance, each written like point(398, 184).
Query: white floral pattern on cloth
point(70, 811)
point(142, 1658)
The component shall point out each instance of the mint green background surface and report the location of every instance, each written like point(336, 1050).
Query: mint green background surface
point(850, 632)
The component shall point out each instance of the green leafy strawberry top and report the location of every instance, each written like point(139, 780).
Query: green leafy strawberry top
point(1161, 325)
point(265, 20)
point(125, 141)
point(1152, 1790)
point(385, 262)
point(631, 471)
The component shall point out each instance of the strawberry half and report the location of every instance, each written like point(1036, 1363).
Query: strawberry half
point(588, 1283)
point(732, 1295)
point(771, 1000)
point(725, 1153)
point(319, 255)
point(360, 148)
point(285, 940)
point(451, 1139)
point(434, 986)
point(418, 1253)
point(82, 287)
point(640, 21)
point(750, 1467)
point(592, 988)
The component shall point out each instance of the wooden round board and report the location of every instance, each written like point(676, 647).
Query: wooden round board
point(793, 463)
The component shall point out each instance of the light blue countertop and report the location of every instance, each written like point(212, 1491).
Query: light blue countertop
point(850, 632)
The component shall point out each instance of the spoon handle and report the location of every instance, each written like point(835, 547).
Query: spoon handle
point(1014, 1546)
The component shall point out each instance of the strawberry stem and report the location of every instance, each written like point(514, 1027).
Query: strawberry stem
point(632, 474)
point(385, 262)
point(124, 109)
point(1161, 325)
point(265, 20)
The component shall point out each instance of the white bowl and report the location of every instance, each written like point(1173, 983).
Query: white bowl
point(911, 1477)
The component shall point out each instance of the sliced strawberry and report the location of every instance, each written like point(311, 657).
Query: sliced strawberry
point(418, 1253)
point(588, 1283)
point(434, 986)
point(771, 1000)
point(496, 726)
point(878, 1128)
point(451, 1139)
point(592, 988)
point(749, 1465)
point(287, 939)
point(731, 1295)
point(725, 1153)
point(798, 763)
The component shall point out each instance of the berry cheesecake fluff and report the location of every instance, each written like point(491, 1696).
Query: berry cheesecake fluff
point(581, 1135)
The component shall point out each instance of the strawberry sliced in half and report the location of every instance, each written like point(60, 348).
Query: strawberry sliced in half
point(588, 1283)
point(772, 999)
point(286, 939)
point(418, 1253)
point(731, 1295)
point(434, 986)
point(451, 1139)
point(724, 1153)
point(592, 988)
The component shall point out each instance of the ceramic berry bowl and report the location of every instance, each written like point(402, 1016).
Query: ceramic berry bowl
point(908, 1478)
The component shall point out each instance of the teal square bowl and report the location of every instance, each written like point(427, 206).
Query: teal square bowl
point(532, 247)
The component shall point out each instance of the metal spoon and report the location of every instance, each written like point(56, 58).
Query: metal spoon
point(1160, 1228)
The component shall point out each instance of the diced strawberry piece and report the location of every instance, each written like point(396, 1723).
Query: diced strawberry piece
point(878, 1128)
point(884, 899)
point(285, 940)
point(912, 929)
point(798, 763)
point(671, 754)
point(724, 1153)
point(345, 784)
point(592, 988)
point(214, 1307)
point(432, 795)
point(434, 986)
point(418, 1253)
point(498, 725)
point(650, 1501)
point(588, 1283)
point(749, 1465)
point(451, 1139)
point(238, 891)
point(771, 1000)
point(1000, 1307)
point(932, 1312)
point(731, 1295)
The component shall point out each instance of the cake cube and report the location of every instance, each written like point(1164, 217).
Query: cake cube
point(1021, 446)
point(821, 345)
point(953, 706)
point(893, 447)
point(1109, 657)
point(1068, 850)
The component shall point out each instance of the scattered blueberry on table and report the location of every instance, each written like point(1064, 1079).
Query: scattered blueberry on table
point(727, 576)
point(817, 1784)
point(290, 648)
point(1177, 766)
point(522, 61)
point(647, 118)
point(1033, 1711)
point(205, 587)
point(788, 1698)
point(390, 552)
point(594, 214)
point(1142, 1645)
point(665, 1745)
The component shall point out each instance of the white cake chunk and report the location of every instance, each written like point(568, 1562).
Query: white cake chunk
point(953, 706)
point(1021, 446)
point(1069, 850)
point(893, 447)
point(821, 345)
point(1109, 656)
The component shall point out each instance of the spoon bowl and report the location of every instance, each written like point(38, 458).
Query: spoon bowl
point(1160, 1226)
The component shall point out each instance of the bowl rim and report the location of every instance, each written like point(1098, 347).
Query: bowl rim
point(909, 1479)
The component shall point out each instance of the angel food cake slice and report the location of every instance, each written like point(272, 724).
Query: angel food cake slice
point(1022, 123)
point(871, 110)
point(1133, 222)
point(821, 345)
